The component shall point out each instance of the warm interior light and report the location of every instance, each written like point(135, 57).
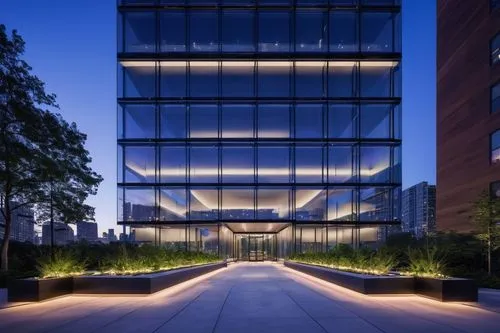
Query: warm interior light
point(260, 63)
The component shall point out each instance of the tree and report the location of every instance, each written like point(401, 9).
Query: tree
point(486, 217)
point(42, 157)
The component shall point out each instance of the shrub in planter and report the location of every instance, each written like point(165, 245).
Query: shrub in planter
point(428, 262)
point(60, 264)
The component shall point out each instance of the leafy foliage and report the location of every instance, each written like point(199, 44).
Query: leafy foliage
point(60, 264)
point(343, 257)
point(148, 258)
point(44, 160)
point(428, 262)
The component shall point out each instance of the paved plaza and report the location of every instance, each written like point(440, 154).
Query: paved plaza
point(249, 297)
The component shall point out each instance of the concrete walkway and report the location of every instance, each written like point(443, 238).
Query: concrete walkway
point(248, 297)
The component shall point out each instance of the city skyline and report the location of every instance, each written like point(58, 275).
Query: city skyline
point(91, 56)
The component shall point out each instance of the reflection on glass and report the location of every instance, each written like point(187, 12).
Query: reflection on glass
point(173, 121)
point(237, 31)
point(344, 31)
point(238, 164)
point(139, 32)
point(310, 79)
point(274, 78)
point(309, 121)
point(238, 79)
point(342, 79)
point(204, 204)
point(375, 164)
point(137, 121)
point(273, 164)
point(309, 164)
point(204, 164)
point(173, 164)
point(375, 121)
point(377, 32)
point(173, 79)
point(203, 121)
point(237, 121)
point(274, 30)
point(139, 164)
point(341, 204)
point(139, 204)
point(204, 79)
point(310, 31)
point(376, 79)
point(495, 147)
point(310, 204)
point(238, 203)
point(273, 203)
point(274, 121)
point(342, 121)
point(495, 98)
point(375, 204)
point(172, 31)
point(203, 31)
point(341, 164)
point(139, 79)
point(173, 204)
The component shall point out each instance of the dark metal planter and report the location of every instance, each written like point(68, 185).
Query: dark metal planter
point(362, 283)
point(35, 290)
point(139, 284)
point(447, 290)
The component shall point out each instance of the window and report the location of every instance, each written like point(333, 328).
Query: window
point(309, 121)
point(173, 121)
point(495, 4)
point(495, 50)
point(237, 121)
point(274, 79)
point(204, 121)
point(495, 190)
point(274, 121)
point(237, 31)
point(173, 79)
point(310, 31)
point(173, 164)
point(310, 79)
point(139, 32)
point(377, 34)
point(137, 121)
point(203, 31)
point(342, 121)
point(495, 147)
point(495, 97)
point(274, 31)
point(238, 79)
point(343, 31)
point(375, 121)
point(342, 79)
point(139, 79)
point(139, 164)
point(172, 31)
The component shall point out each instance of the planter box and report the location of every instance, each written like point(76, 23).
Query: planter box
point(35, 290)
point(139, 284)
point(362, 283)
point(447, 290)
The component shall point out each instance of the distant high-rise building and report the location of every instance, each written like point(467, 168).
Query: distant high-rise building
point(419, 209)
point(468, 108)
point(111, 235)
point(63, 234)
point(86, 231)
point(22, 226)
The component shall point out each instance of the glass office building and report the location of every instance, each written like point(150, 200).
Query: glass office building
point(255, 129)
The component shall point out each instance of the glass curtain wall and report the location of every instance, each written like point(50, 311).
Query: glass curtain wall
point(259, 111)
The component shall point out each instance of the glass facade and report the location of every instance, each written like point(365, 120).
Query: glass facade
point(258, 128)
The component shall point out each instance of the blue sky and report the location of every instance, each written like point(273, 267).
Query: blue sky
point(71, 45)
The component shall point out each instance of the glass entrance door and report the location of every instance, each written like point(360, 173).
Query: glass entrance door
point(255, 247)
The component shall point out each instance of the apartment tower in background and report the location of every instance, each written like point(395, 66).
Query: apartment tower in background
point(468, 108)
point(418, 209)
point(258, 128)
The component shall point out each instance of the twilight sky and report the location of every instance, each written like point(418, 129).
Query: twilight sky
point(71, 45)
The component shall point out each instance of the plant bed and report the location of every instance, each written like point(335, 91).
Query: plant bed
point(142, 284)
point(447, 289)
point(35, 290)
point(362, 283)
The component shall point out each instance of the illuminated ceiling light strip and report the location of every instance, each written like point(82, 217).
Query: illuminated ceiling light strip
point(243, 63)
point(206, 172)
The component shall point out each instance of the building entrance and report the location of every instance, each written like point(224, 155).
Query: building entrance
point(255, 247)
